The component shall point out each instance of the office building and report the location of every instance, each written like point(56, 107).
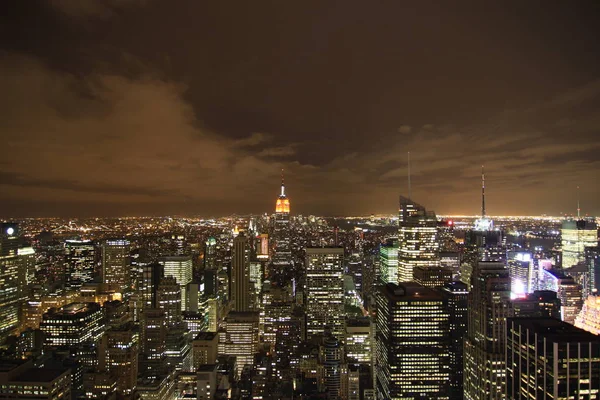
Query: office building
point(540, 303)
point(207, 382)
point(10, 296)
point(569, 292)
point(180, 268)
point(589, 317)
point(73, 325)
point(80, 260)
point(205, 348)
point(388, 262)
point(489, 306)
point(119, 350)
point(576, 235)
point(332, 353)
point(417, 239)
point(21, 380)
point(358, 341)
point(324, 289)
point(433, 277)
point(550, 359)
point(240, 274)
point(115, 263)
point(240, 338)
point(168, 299)
point(522, 273)
point(456, 296)
point(412, 342)
point(282, 253)
point(149, 279)
point(153, 338)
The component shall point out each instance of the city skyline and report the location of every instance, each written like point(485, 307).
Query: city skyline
point(110, 117)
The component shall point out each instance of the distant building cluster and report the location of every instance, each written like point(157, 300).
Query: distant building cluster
point(283, 306)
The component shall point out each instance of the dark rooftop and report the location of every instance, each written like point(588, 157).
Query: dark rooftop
point(555, 329)
point(410, 291)
point(39, 375)
point(206, 336)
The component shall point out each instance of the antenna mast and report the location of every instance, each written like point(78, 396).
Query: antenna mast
point(578, 209)
point(482, 193)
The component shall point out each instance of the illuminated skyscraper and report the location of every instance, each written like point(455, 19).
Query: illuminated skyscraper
point(417, 239)
point(388, 262)
point(240, 338)
point(80, 259)
point(168, 299)
point(489, 306)
point(412, 343)
point(240, 274)
point(589, 317)
point(522, 274)
point(119, 356)
point(9, 280)
point(180, 268)
point(576, 236)
point(282, 253)
point(569, 292)
point(456, 295)
point(550, 359)
point(115, 263)
point(324, 291)
point(73, 325)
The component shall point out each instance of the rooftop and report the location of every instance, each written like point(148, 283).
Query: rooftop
point(410, 291)
point(555, 329)
point(39, 375)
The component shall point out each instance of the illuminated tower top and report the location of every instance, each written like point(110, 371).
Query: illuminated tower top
point(283, 203)
point(484, 223)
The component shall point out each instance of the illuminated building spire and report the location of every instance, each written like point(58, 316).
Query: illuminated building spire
point(482, 193)
point(282, 184)
point(578, 208)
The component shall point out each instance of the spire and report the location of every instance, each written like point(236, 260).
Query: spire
point(409, 188)
point(482, 193)
point(282, 184)
point(578, 208)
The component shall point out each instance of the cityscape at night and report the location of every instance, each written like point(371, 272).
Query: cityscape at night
point(281, 200)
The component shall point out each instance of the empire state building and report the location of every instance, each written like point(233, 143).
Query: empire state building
point(281, 231)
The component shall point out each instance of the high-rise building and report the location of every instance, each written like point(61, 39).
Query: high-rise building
point(180, 268)
point(153, 329)
point(240, 274)
point(388, 262)
point(412, 343)
point(589, 317)
point(240, 338)
point(73, 325)
point(522, 273)
point(540, 303)
point(489, 306)
point(168, 299)
point(550, 359)
point(149, 278)
point(576, 236)
point(205, 349)
point(80, 260)
point(569, 292)
point(21, 380)
point(332, 353)
point(358, 341)
point(324, 291)
point(456, 295)
point(11, 279)
point(592, 261)
point(119, 356)
point(433, 277)
point(115, 263)
point(282, 254)
point(417, 239)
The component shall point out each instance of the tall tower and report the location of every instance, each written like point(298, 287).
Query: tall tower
point(324, 291)
point(417, 239)
point(180, 268)
point(80, 260)
point(115, 263)
point(283, 253)
point(240, 274)
point(412, 343)
point(483, 223)
point(489, 306)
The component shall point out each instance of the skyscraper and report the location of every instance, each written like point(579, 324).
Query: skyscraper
point(240, 274)
point(282, 255)
point(80, 259)
point(9, 280)
point(412, 343)
point(115, 263)
point(180, 268)
point(456, 295)
point(589, 317)
point(324, 291)
point(489, 306)
point(576, 236)
point(388, 262)
point(417, 239)
point(240, 338)
point(550, 359)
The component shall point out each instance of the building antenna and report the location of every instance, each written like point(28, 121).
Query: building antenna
point(578, 209)
point(409, 188)
point(282, 184)
point(482, 193)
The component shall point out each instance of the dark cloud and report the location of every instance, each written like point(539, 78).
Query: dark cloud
point(195, 108)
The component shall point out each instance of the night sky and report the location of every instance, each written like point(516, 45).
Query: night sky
point(129, 107)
